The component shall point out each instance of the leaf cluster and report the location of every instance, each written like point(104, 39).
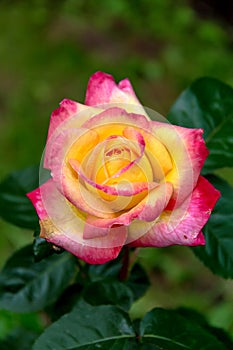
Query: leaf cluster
point(88, 306)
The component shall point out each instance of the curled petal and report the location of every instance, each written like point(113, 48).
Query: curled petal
point(78, 141)
point(74, 142)
point(157, 153)
point(111, 155)
point(93, 251)
point(156, 202)
point(148, 210)
point(35, 198)
point(67, 109)
point(62, 225)
point(188, 152)
point(83, 198)
point(64, 120)
point(135, 135)
point(116, 116)
point(121, 189)
point(181, 226)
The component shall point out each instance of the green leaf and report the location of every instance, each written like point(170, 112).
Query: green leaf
point(42, 249)
point(65, 303)
point(217, 253)
point(110, 269)
point(15, 207)
point(219, 333)
point(19, 338)
point(138, 281)
point(168, 329)
point(107, 327)
point(28, 286)
point(89, 327)
point(208, 104)
point(109, 292)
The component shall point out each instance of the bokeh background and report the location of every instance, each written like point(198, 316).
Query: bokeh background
point(48, 50)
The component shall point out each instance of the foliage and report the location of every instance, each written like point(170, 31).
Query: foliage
point(212, 110)
point(48, 50)
point(208, 104)
point(88, 306)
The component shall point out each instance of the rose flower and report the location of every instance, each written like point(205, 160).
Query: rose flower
point(118, 178)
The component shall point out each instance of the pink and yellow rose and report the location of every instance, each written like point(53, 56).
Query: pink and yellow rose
point(118, 178)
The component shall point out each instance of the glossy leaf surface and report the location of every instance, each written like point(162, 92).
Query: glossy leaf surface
point(208, 104)
point(217, 253)
point(29, 286)
point(15, 207)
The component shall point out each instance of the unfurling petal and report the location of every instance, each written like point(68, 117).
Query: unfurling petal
point(63, 226)
point(183, 226)
point(188, 152)
point(102, 90)
point(148, 210)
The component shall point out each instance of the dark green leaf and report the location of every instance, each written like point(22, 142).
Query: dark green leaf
point(168, 329)
point(65, 303)
point(208, 104)
point(219, 333)
point(28, 286)
point(217, 253)
point(89, 327)
point(42, 248)
point(109, 292)
point(18, 339)
point(118, 344)
point(110, 269)
point(138, 281)
point(15, 207)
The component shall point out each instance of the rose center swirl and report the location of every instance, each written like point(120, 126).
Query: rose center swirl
point(117, 167)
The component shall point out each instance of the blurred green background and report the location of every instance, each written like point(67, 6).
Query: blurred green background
point(48, 50)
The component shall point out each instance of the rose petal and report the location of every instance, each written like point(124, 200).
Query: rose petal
point(103, 158)
point(116, 116)
point(84, 199)
point(158, 155)
point(102, 90)
point(73, 142)
point(120, 189)
point(67, 109)
point(188, 152)
point(35, 198)
point(64, 226)
point(114, 121)
point(63, 120)
point(148, 209)
point(90, 254)
point(135, 136)
point(95, 229)
point(181, 226)
point(156, 202)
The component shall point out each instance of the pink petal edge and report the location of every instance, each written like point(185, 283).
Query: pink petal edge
point(89, 254)
point(121, 189)
point(94, 251)
point(183, 228)
point(102, 89)
point(188, 151)
point(148, 210)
